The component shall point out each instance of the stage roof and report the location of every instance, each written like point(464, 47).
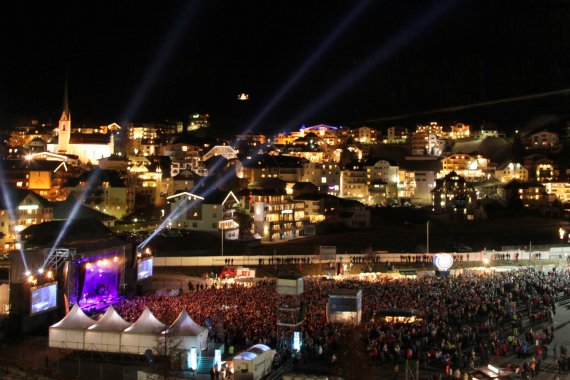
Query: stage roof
point(83, 235)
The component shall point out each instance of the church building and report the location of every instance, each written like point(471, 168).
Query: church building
point(89, 145)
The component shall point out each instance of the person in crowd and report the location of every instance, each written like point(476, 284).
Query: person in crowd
point(462, 322)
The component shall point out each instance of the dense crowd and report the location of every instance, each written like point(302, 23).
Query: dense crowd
point(465, 319)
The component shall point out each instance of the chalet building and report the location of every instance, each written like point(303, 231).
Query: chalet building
point(452, 194)
point(209, 211)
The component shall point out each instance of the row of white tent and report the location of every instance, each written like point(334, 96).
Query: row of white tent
point(112, 333)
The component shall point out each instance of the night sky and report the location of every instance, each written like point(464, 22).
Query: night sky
point(152, 61)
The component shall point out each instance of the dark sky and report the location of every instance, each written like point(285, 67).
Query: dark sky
point(151, 61)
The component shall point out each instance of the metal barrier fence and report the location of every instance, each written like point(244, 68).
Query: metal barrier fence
point(554, 253)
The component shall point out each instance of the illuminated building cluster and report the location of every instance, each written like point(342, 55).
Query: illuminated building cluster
point(156, 164)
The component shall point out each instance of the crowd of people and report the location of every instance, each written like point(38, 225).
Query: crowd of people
point(464, 319)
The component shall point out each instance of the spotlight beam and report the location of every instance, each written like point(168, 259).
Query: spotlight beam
point(12, 215)
point(328, 42)
point(162, 225)
point(179, 210)
point(380, 56)
point(168, 46)
point(285, 88)
point(74, 210)
point(315, 56)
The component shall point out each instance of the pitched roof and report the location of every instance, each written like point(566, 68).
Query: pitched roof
point(267, 184)
point(421, 165)
point(215, 197)
point(186, 175)
point(310, 197)
point(507, 163)
point(32, 165)
point(162, 162)
point(14, 196)
point(270, 161)
point(515, 184)
point(84, 235)
point(90, 138)
point(113, 177)
point(63, 210)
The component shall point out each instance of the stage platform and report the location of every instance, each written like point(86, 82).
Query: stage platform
point(97, 304)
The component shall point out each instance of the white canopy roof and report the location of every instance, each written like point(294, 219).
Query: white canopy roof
point(110, 321)
point(146, 324)
point(75, 319)
point(252, 352)
point(185, 325)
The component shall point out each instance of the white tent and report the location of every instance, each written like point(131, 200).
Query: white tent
point(69, 332)
point(143, 334)
point(105, 335)
point(185, 334)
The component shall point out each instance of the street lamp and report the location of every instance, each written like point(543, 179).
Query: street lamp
point(224, 225)
point(427, 237)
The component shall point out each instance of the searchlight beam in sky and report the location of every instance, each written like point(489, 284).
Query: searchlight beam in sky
point(74, 210)
point(12, 215)
point(397, 42)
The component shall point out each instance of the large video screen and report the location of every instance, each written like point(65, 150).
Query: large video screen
point(144, 269)
point(43, 298)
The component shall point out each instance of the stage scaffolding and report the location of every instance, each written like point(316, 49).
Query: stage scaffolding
point(57, 257)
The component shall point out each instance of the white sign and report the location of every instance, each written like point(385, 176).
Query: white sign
point(28, 207)
point(297, 341)
point(225, 224)
point(443, 261)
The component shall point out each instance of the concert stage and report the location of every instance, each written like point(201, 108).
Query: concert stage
point(97, 281)
point(97, 304)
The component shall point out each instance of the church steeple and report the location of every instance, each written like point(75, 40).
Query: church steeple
point(64, 130)
point(65, 99)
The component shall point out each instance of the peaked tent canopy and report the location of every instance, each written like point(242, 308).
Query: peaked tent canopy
point(186, 334)
point(110, 321)
point(69, 332)
point(105, 335)
point(146, 324)
point(143, 334)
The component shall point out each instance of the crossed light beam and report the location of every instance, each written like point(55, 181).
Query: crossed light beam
point(437, 10)
point(411, 30)
point(315, 56)
point(279, 95)
point(74, 210)
point(166, 50)
point(337, 31)
point(12, 215)
point(170, 42)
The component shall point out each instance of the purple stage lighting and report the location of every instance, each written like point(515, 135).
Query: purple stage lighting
point(98, 280)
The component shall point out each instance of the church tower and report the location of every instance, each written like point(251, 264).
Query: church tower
point(64, 130)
